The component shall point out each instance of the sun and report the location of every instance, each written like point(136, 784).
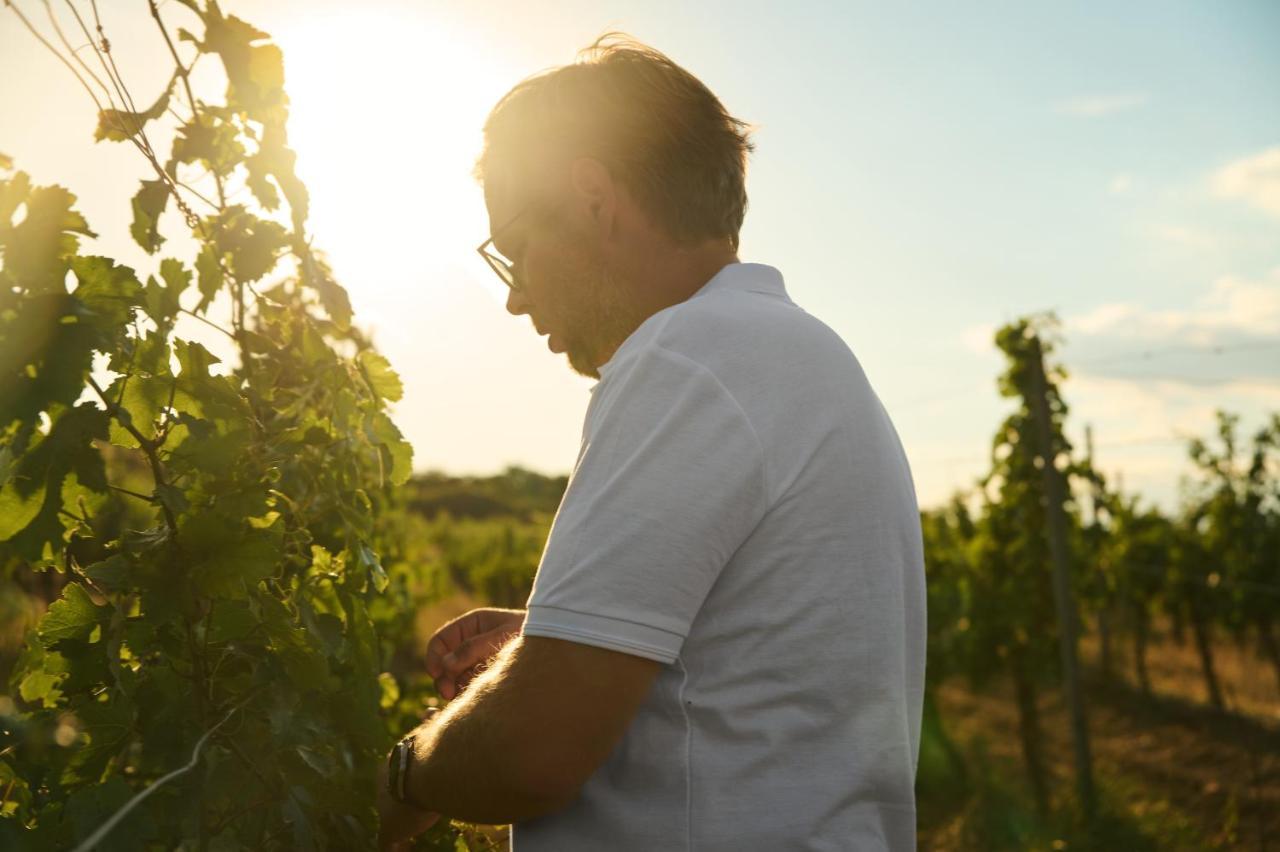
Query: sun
point(386, 110)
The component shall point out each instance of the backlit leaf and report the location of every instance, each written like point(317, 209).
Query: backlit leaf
point(148, 204)
point(208, 276)
point(72, 616)
point(118, 125)
point(384, 380)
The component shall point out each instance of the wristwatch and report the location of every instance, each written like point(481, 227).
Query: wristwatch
point(398, 769)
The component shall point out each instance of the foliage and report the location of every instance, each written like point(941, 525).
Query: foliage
point(247, 595)
point(1215, 564)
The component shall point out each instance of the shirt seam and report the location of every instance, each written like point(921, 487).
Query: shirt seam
point(688, 758)
point(607, 617)
point(556, 631)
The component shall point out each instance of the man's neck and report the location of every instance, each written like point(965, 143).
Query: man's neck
point(671, 277)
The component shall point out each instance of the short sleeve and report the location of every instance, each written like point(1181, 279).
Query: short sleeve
point(669, 482)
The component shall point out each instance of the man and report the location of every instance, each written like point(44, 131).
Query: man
point(724, 645)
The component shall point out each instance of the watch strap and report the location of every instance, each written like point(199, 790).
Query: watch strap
point(398, 774)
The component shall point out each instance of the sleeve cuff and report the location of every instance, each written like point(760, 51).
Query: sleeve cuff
point(602, 631)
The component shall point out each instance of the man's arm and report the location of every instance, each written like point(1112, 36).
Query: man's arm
point(528, 732)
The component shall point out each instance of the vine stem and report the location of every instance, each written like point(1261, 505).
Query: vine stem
point(94, 839)
point(207, 322)
point(149, 448)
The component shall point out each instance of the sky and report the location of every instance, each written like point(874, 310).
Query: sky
point(923, 173)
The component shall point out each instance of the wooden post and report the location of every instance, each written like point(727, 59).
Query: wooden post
point(1104, 606)
point(1055, 514)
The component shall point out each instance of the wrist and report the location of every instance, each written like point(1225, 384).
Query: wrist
point(410, 792)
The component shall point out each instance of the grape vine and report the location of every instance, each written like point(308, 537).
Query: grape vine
point(244, 583)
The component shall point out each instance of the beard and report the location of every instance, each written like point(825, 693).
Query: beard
point(599, 315)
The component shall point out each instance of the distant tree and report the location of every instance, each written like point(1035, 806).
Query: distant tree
point(1235, 512)
point(1011, 620)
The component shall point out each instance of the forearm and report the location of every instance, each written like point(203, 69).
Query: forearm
point(474, 761)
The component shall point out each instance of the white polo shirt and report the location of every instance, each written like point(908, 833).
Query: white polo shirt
point(741, 510)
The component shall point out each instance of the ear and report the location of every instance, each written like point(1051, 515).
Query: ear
point(596, 192)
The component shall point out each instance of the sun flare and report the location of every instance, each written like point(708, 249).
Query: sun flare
point(386, 116)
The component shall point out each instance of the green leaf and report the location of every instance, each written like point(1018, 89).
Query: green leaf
point(45, 672)
point(111, 574)
point(384, 380)
point(21, 497)
point(368, 560)
point(251, 244)
point(144, 398)
point(208, 276)
point(390, 690)
point(317, 275)
point(229, 554)
point(41, 686)
point(108, 725)
point(211, 140)
point(259, 181)
point(13, 192)
point(173, 498)
point(68, 447)
point(231, 620)
point(108, 290)
point(116, 125)
point(36, 252)
point(276, 158)
point(72, 616)
point(399, 451)
point(255, 73)
point(305, 665)
point(148, 204)
point(163, 301)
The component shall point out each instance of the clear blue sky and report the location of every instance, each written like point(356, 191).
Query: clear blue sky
point(923, 173)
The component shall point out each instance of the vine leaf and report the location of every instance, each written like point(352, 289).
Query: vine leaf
point(317, 275)
point(37, 250)
point(36, 479)
point(164, 301)
point(148, 204)
point(208, 276)
point(252, 244)
point(112, 574)
point(108, 290)
point(108, 724)
point(384, 431)
point(45, 672)
point(72, 616)
point(210, 139)
point(20, 501)
point(384, 380)
point(255, 73)
point(232, 554)
point(116, 125)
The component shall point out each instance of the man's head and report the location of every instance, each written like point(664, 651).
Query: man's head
point(616, 186)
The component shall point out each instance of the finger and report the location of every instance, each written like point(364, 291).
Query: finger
point(472, 652)
point(448, 637)
point(450, 687)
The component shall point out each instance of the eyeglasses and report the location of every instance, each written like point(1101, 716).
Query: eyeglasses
point(504, 268)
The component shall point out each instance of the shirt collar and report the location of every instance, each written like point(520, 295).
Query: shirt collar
point(748, 277)
point(744, 277)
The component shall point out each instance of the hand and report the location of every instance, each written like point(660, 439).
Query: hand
point(398, 824)
point(458, 649)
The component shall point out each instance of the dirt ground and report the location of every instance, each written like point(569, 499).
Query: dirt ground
point(1164, 758)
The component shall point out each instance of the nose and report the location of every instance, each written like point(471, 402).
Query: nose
point(516, 303)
